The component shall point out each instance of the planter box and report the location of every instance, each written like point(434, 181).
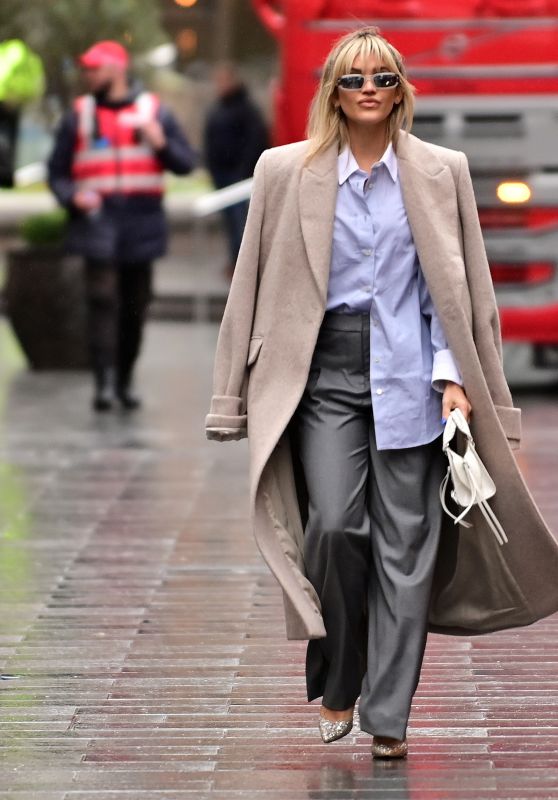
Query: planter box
point(45, 303)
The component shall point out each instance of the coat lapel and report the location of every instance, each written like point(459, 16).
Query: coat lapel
point(429, 195)
point(317, 198)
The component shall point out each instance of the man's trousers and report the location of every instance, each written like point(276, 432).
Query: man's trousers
point(118, 295)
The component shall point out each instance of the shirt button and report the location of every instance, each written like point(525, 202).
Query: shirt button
point(367, 252)
point(379, 391)
point(376, 361)
point(368, 289)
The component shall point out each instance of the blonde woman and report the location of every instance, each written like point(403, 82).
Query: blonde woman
point(361, 313)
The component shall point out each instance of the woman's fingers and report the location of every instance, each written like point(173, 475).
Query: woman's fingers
point(465, 409)
point(455, 397)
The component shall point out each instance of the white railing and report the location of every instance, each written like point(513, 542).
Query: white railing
point(218, 199)
point(30, 174)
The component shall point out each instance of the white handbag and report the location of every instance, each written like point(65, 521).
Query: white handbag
point(472, 485)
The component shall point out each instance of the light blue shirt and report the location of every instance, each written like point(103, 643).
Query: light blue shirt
point(375, 268)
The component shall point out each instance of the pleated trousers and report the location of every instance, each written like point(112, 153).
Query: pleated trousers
point(371, 537)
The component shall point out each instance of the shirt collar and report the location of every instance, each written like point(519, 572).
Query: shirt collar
point(347, 165)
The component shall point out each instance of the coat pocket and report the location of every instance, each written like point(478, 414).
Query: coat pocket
point(254, 349)
point(510, 420)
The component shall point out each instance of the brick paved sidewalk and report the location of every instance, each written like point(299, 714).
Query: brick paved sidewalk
point(141, 638)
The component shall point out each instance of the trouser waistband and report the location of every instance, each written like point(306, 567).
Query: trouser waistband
point(334, 321)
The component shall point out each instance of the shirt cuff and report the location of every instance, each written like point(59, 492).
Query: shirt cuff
point(444, 369)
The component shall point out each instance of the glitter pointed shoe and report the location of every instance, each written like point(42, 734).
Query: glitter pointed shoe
point(385, 747)
point(331, 731)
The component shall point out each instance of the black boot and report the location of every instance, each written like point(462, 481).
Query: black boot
point(128, 399)
point(103, 399)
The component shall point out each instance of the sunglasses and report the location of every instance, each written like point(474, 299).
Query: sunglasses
point(381, 80)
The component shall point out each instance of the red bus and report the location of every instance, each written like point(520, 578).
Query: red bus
point(486, 73)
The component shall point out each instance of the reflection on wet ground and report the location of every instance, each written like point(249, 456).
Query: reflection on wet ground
point(141, 638)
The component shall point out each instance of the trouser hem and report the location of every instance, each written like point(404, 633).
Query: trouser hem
point(336, 706)
point(385, 727)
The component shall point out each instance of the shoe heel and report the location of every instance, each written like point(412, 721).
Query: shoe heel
point(397, 749)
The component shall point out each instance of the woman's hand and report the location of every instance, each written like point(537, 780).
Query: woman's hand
point(455, 397)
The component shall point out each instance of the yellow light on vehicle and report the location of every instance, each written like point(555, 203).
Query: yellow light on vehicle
point(513, 192)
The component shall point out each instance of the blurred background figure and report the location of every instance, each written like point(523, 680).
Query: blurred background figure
point(235, 136)
point(106, 168)
point(21, 80)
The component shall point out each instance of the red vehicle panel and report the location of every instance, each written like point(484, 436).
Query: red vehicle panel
point(486, 73)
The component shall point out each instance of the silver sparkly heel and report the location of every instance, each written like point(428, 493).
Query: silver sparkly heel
point(331, 731)
point(396, 748)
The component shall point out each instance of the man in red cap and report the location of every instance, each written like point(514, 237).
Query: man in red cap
point(103, 54)
point(107, 168)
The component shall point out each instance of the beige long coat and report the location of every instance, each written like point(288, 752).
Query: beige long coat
point(267, 338)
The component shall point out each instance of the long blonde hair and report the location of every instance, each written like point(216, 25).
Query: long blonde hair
point(327, 124)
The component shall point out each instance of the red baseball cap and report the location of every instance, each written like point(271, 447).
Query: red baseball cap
point(103, 53)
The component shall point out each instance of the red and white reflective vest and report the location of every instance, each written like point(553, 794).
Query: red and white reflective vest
point(110, 156)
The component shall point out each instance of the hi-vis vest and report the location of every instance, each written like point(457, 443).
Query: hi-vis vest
point(110, 156)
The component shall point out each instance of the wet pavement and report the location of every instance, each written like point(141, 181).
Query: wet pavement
point(141, 637)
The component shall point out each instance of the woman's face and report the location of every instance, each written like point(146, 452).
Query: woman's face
point(368, 106)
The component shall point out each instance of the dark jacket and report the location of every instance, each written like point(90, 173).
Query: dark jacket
point(235, 137)
point(129, 227)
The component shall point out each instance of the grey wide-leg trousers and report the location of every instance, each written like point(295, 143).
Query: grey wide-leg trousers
point(371, 537)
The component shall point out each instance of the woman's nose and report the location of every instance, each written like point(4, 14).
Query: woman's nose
point(368, 84)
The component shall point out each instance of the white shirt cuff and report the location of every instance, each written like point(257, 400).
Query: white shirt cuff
point(444, 369)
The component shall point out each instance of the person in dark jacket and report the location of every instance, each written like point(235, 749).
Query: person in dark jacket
point(235, 137)
point(106, 168)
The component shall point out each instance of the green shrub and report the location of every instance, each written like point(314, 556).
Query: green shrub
point(45, 229)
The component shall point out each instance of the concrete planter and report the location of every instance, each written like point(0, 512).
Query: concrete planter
point(45, 303)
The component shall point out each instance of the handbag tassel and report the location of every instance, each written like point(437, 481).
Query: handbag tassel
point(487, 512)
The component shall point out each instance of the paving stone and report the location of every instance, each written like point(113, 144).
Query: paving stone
point(142, 639)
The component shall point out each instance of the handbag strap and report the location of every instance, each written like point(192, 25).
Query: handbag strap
point(456, 421)
point(488, 514)
point(493, 522)
point(459, 519)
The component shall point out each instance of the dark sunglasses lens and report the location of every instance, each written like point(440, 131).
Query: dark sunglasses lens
point(386, 80)
point(351, 82)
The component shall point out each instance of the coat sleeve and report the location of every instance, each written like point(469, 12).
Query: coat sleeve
point(227, 418)
point(177, 155)
point(486, 320)
point(255, 140)
point(59, 165)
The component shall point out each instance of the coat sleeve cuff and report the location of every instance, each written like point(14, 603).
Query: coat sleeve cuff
point(444, 369)
point(510, 420)
point(225, 421)
point(224, 434)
